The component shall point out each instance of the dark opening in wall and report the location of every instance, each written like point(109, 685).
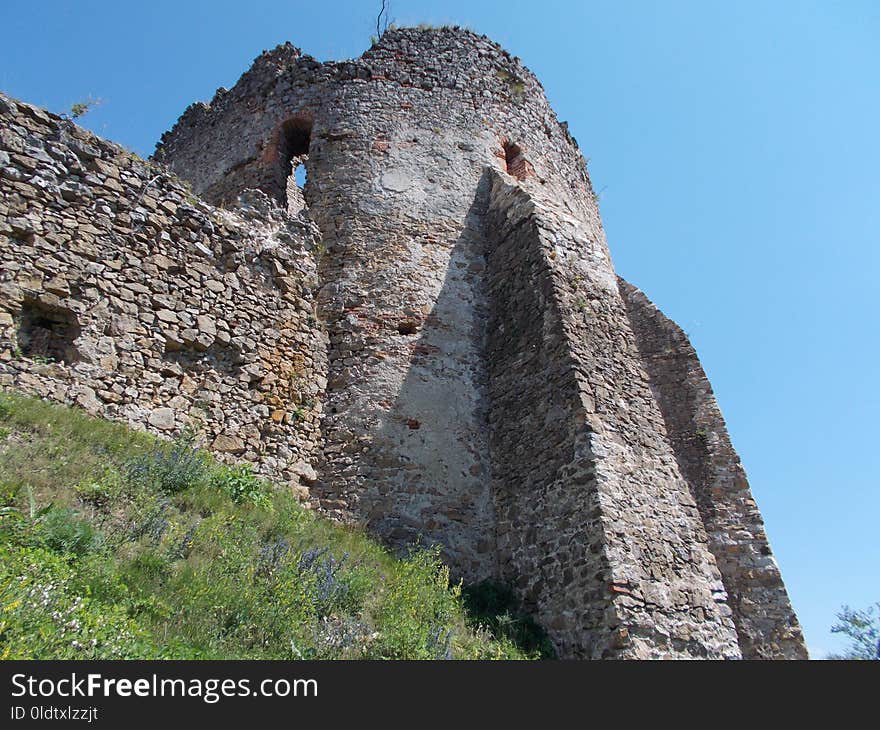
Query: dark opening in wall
point(515, 162)
point(296, 135)
point(195, 357)
point(47, 332)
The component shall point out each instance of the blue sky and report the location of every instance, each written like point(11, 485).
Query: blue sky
point(736, 148)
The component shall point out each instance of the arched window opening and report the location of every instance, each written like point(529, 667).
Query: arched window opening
point(294, 138)
point(515, 162)
point(296, 183)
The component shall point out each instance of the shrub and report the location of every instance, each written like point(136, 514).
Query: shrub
point(171, 467)
point(495, 607)
point(63, 531)
point(148, 516)
point(327, 584)
point(102, 491)
point(241, 485)
point(862, 626)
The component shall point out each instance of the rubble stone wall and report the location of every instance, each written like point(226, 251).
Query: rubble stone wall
point(765, 622)
point(122, 292)
point(596, 526)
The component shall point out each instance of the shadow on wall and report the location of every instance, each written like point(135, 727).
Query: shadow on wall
point(434, 435)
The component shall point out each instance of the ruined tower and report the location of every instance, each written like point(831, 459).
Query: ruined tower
point(485, 381)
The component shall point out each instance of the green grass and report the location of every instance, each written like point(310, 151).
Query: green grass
point(114, 544)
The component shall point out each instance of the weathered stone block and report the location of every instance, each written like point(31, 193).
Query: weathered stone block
point(162, 418)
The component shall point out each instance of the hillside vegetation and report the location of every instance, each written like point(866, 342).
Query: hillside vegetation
point(115, 544)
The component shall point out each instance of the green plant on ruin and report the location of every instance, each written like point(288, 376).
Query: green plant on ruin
point(241, 485)
point(515, 85)
point(81, 108)
point(191, 199)
point(444, 26)
point(188, 193)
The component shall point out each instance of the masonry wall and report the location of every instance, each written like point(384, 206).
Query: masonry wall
point(596, 526)
point(458, 368)
point(123, 293)
point(399, 141)
point(766, 624)
point(550, 538)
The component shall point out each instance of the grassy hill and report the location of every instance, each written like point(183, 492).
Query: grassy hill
point(115, 544)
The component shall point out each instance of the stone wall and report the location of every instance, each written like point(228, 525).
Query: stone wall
point(766, 624)
point(398, 142)
point(459, 367)
point(596, 527)
point(122, 292)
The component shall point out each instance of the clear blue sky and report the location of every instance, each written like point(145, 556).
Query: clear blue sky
point(736, 148)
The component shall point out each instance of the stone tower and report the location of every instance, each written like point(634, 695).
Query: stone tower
point(489, 384)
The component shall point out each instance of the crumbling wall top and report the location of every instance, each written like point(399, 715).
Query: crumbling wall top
point(225, 139)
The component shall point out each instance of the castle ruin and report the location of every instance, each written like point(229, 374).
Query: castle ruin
point(428, 339)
